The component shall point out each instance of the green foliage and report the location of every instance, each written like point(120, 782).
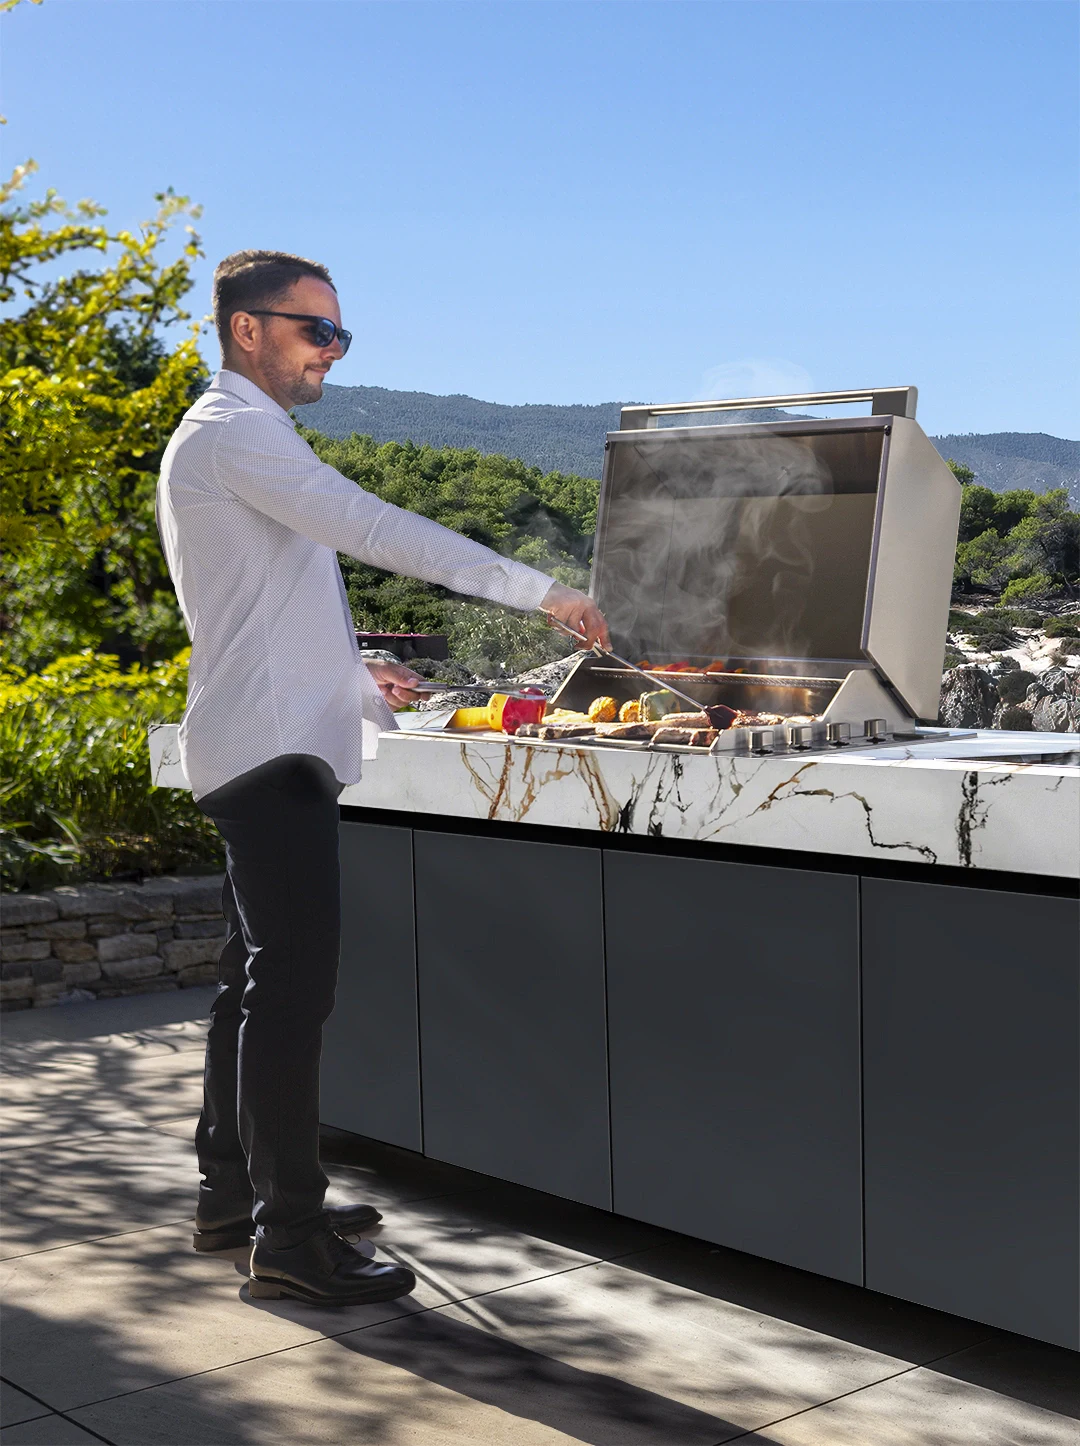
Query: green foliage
point(496, 643)
point(1027, 589)
point(964, 475)
point(77, 799)
point(994, 628)
point(546, 521)
point(1063, 628)
point(89, 395)
point(1023, 544)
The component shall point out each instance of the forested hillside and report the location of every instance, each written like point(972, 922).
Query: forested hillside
point(571, 438)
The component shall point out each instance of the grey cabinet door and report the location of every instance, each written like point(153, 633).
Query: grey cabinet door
point(511, 971)
point(733, 1007)
point(972, 1050)
point(371, 1066)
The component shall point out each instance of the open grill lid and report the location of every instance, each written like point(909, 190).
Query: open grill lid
point(797, 546)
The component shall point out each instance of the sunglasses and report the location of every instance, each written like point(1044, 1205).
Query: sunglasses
point(323, 330)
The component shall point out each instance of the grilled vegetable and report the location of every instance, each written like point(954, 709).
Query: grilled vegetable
point(656, 705)
point(630, 712)
point(603, 710)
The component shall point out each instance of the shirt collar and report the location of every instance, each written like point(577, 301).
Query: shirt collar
point(239, 386)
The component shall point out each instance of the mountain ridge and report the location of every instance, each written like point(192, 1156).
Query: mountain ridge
point(570, 438)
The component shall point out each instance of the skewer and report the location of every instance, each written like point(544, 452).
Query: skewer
point(602, 652)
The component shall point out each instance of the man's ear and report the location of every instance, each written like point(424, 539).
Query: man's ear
point(244, 331)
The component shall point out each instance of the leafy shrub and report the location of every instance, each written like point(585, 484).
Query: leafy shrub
point(77, 799)
point(1024, 542)
point(995, 628)
point(496, 643)
point(544, 520)
point(1025, 588)
point(1012, 687)
point(1063, 628)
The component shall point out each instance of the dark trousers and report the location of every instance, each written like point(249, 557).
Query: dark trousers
point(258, 1135)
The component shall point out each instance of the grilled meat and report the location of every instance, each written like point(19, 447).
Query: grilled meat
point(687, 737)
point(625, 730)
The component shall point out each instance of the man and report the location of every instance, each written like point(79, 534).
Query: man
point(279, 705)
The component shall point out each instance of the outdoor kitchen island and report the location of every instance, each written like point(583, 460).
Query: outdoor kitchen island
point(804, 982)
point(826, 1012)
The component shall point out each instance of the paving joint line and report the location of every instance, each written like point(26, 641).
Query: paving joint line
point(53, 1411)
point(164, 1224)
point(334, 1336)
point(855, 1391)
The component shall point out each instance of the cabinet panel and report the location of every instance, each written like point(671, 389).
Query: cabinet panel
point(972, 1049)
point(511, 971)
point(733, 1010)
point(371, 1068)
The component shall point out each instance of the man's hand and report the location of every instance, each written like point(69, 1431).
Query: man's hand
point(394, 682)
point(578, 611)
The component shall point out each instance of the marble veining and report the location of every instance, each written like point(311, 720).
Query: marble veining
point(1022, 818)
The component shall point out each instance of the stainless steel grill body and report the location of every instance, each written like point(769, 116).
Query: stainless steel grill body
point(818, 553)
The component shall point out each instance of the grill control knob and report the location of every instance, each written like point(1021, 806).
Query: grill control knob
point(799, 735)
point(838, 734)
point(875, 730)
point(761, 740)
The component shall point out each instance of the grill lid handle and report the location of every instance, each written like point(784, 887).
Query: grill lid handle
point(884, 401)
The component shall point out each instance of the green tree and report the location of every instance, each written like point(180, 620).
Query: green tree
point(544, 520)
point(978, 512)
point(963, 474)
point(89, 394)
point(1046, 542)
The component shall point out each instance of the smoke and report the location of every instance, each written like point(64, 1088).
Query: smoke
point(754, 377)
point(711, 544)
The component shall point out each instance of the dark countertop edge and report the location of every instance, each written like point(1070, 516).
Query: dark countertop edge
point(928, 873)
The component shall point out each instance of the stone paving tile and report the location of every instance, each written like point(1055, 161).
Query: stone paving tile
point(144, 1024)
point(913, 1334)
point(923, 1407)
point(16, 1405)
point(1042, 1375)
point(88, 1186)
point(122, 1090)
point(330, 1393)
point(95, 1320)
point(170, 1312)
point(47, 1431)
point(738, 1366)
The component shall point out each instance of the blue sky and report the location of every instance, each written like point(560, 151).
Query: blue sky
point(535, 201)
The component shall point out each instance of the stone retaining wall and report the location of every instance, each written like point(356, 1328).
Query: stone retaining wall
point(103, 940)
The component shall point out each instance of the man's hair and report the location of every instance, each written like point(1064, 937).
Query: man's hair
point(250, 280)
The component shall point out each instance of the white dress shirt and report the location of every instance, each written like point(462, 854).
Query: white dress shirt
point(251, 522)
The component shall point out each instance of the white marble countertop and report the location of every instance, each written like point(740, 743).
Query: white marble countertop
point(1020, 818)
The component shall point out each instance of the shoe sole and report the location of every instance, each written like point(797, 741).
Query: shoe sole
point(277, 1289)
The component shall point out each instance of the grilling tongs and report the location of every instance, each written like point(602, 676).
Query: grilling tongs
point(718, 714)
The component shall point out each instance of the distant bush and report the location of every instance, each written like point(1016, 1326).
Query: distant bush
point(545, 520)
point(1022, 544)
point(496, 643)
point(1063, 628)
point(1022, 589)
point(76, 798)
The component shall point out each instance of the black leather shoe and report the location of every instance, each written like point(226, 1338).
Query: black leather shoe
point(345, 1219)
point(325, 1270)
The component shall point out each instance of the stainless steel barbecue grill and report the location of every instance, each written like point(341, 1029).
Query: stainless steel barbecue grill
point(809, 559)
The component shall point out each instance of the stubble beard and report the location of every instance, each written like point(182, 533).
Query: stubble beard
point(297, 386)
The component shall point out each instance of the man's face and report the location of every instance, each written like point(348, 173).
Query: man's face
point(283, 350)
